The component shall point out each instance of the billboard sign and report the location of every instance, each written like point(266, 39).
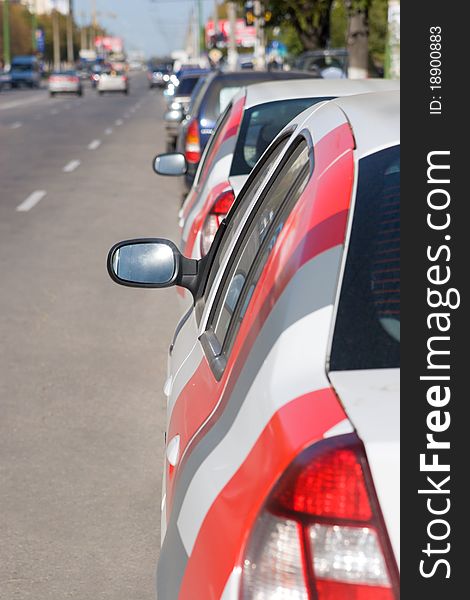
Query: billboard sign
point(245, 35)
point(109, 44)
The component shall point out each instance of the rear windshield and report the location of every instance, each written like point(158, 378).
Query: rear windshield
point(187, 85)
point(23, 67)
point(260, 126)
point(367, 330)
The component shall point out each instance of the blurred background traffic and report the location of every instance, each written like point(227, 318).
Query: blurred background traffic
point(336, 38)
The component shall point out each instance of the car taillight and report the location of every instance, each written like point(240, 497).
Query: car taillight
point(320, 534)
point(192, 149)
point(218, 211)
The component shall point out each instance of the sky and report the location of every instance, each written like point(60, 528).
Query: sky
point(155, 26)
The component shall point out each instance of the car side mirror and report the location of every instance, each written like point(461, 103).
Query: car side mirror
point(151, 263)
point(172, 164)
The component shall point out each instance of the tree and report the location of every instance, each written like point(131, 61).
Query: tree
point(358, 37)
point(309, 20)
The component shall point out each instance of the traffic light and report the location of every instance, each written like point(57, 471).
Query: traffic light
point(249, 13)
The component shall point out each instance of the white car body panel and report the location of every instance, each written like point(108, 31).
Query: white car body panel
point(110, 83)
point(371, 398)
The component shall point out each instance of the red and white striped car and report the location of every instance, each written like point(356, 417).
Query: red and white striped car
point(282, 461)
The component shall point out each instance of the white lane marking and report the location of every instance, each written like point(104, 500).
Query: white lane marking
point(16, 125)
point(126, 115)
point(31, 201)
point(108, 131)
point(20, 103)
point(71, 166)
point(118, 122)
point(54, 111)
point(94, 144)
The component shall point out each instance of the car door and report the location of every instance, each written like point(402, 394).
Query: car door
point(194, 390)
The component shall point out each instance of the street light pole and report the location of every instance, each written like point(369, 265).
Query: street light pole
point(56, 38)
point(232, 40)
point(70, 53)
point(34, 24)
point(6, 33)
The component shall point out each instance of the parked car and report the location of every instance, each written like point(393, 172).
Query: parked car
point(5, 79)
point(219, 88)
point(25, 70)
point(113, 81)
point(331, 63)
point(281, 470)
point(158, 75)
point(250, 123)
point(179, 104)
point(65, 82)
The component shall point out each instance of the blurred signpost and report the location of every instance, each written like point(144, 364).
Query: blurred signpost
point(40, 41)
point(6, 33)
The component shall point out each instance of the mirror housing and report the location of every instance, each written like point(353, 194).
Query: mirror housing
point(172, 164)
point(151, 263)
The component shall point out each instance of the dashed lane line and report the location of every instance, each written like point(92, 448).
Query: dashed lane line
point(118, 122)
point(94, 145)
point(31, 201)
point(108, 131)
point(71, 166)
point(16, 125)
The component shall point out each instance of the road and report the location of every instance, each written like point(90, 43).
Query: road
point(82, 361)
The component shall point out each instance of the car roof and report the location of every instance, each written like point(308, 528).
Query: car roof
point(374, 119)
point(270, 91)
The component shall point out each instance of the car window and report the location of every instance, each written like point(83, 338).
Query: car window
point(241, 206)
point(260, 126)
point(212, 144)
point(367, 329)
point(186, 85)
point(256, 244)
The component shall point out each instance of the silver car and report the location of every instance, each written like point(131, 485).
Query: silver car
point(65, 82)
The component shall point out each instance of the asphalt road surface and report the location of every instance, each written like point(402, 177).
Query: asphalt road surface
point(82, 361)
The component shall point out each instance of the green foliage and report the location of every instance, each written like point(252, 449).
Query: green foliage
point(338, 24)
point(378, 30)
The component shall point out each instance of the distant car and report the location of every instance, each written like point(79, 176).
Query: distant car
point(65, 82)
point(113, 81)
point(5, 79)
point(25, 71)
point(179, 104)
point(219, 88)
point(95, 73)
point(158, 75)
point(330, 63)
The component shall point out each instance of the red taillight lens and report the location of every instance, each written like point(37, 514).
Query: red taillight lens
point(330, 486)
point(220, 208)
point(320, 534)
point(192, 149)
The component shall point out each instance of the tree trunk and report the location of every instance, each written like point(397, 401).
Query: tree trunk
point(358, 44)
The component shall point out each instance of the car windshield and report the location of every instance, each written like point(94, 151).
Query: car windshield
point(186, 85)
point(260, 126)
point(65, 73)
point(22, 67)
point(367, 331)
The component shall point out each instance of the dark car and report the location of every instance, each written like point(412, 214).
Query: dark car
point(178, 105)
point(213, 97)
point(158, 75)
